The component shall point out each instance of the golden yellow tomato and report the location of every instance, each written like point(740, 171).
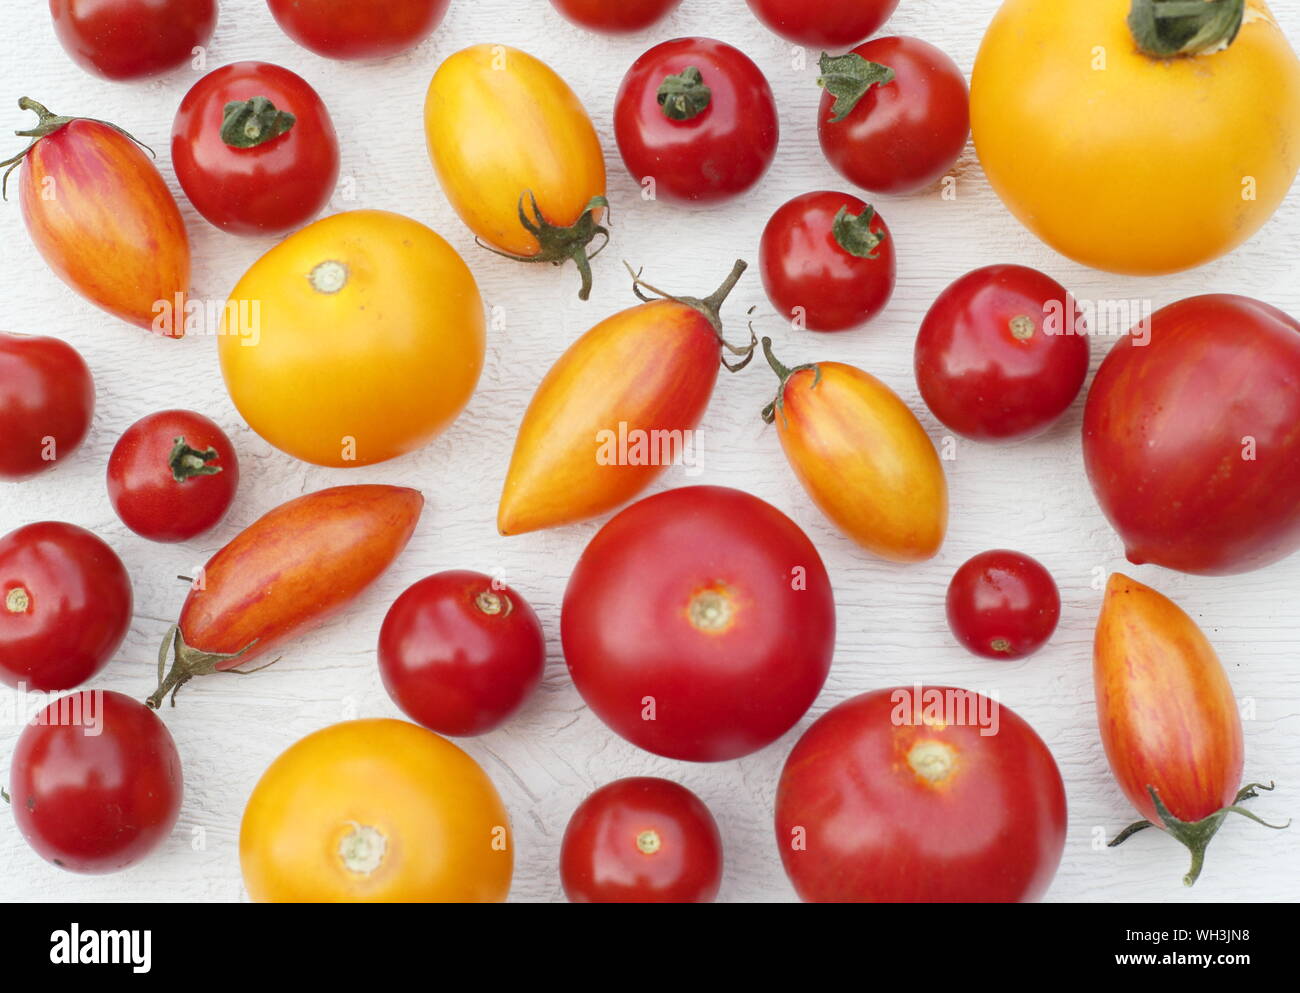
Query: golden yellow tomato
point(375, 811)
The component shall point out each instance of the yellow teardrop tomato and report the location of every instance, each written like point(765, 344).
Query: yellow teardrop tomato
point(1129, 162)
point(375, 811)
point(354, 340)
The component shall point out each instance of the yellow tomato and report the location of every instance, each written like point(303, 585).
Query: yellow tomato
point(1126, 161)
point(375, 811)
point(354, 340)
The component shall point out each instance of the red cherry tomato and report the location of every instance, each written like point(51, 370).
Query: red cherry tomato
point(65, 606)
point(1003, 605)
point(697, 117)
point(827, 261)
point(47, 397)
point(96, 782)
point(614, 16)
point(699, 623)
point(460, 653)
point(172, 475)
point(903, 134)
point(132, 39)
point(641, 840)
point(823, 23)
point(266, 167)
point(1002, 353)
point(358, 29)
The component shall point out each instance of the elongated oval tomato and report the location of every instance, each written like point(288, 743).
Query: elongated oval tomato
point(286, 573)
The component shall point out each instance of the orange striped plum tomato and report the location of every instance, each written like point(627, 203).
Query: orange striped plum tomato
point(862, 456)
point(375, 811)
point(517, 157)
point(355, 340)
point(103, 219)
point(617, 408)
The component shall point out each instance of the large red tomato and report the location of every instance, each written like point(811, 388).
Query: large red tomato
point(47, 397)
point(132, 39)
point(823, 23)
point(358, 29)
point(614, 16)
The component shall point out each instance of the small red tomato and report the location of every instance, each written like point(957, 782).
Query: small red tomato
point(827, 261)
point(358, 29)
point(614, 16)
point(65, 606)
point(696, 117)
point(641, 840)
point(823, 23)
point(132, 39)
point(47, 397)
point(172, 475)
point(895, 114)
point(1002, 353)
point(254, 149)
point(96, 782)
point(1003, 605)
point(460, 652)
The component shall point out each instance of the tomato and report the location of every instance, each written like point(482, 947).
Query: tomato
point(254, 149)
point(103, 219)
point(285, 574)
point(695, 121)
point(1002, 353)
point(172, 475)
point(66, 608)
point(47, 398)
point(517, 156)
point(827, 261)
point(615, 16)
point(895, 114)
point(355, 340)
point(1003, 604)
point(823, 23)
point(619, 406)
point(1072, 115)
point(133, 39)
point(96, 782)
point(641, 840)
point(1189, 436)
point(460, 653)
point(920, 795)
point(375, 811)
point(862, 456)
point(358, 29)
point(699, 624)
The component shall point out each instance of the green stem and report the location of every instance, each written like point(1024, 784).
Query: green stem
point(848, 78)
point(186, 462)
point(1166, 29)
point(711, 307)
point(854, 234)
point(559, 245)
point(684, 95)
point(783, 374)
point(252, 122)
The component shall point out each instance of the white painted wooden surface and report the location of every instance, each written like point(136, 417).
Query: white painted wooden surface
point(1032, 496)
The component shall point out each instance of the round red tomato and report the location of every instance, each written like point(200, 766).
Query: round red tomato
point(895, 114)
point(65, 606)
point(1003, 605)
point(254, 149)
point(699, 623)
point(695, 121)
point(614, 16)
point(1002, 353)
point(938, 797)
point(641, 840)
point(358, 29)
point(47, 398)
point(95, 782)
point(132, 39)
point(827, 261)
point(172, 475)
point(823, 23)
point(460, 652)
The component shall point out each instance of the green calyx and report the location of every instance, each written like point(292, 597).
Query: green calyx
point(1165, 29)
point(854, 234)
point(253, 122)
point(783, 374)
point(186, 462)
point(684, 95)
point(560, 245)
point(188, 662)
point(711, 307)
point(848, 78)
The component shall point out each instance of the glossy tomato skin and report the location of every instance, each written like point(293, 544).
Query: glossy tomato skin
point(1189, 436)
point(615, 16)
point(877, 804)
point(641, 840)
point(460, 653)
point(904, 135)
point(96, 782)
point(832, 24)
point(707, 609)
point(269, 188)
point(1002, 353)
point(811, 278)
point(720, 152)
point(358, 29)
point(65, 606)
point(1003, 604)
point(132, 39)
point(47, 399)
point(142, 471)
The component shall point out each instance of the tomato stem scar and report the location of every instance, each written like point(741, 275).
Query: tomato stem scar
point(17, 600)
point(493, 603)
point(1022, 327)
point(362, 849)
point(648, 842)
point(710, 610)
point(328, 277)
point(932, 760)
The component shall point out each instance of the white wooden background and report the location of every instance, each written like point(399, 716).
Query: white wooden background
point(1032, 496)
